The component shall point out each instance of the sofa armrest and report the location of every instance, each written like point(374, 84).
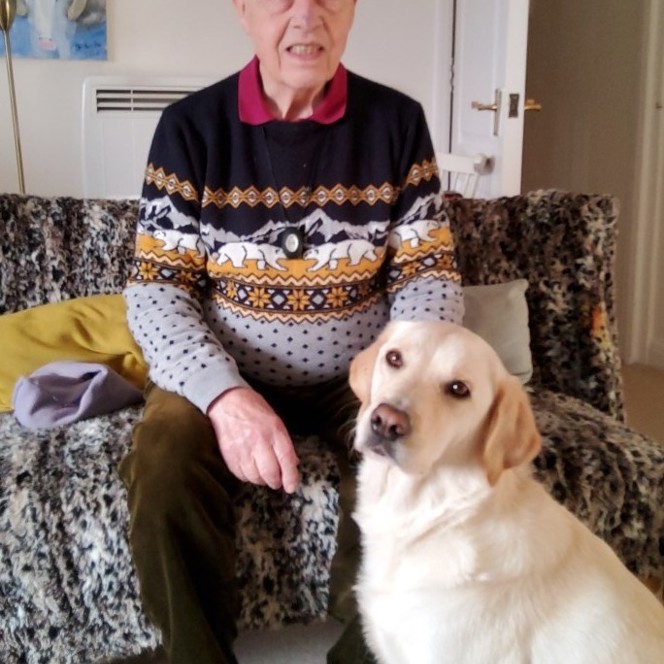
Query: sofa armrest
point(564, 244)
point(54, 249)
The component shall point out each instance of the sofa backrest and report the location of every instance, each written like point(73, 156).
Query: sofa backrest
point(54, 249)
point(564, 245)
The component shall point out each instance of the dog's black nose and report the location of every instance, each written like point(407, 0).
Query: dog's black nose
point(389, 423)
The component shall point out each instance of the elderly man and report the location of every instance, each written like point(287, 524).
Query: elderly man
point(288, 213)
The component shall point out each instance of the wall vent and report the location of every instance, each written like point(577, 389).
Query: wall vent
point(137, 99)
point(119, 118)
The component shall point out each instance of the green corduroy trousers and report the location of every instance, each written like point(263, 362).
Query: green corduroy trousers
point(182, 529)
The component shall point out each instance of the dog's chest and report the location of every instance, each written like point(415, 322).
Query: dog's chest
point(409, 556)
point(417, 626)
point(410, 544)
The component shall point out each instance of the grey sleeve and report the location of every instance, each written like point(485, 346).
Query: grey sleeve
point(183, 354)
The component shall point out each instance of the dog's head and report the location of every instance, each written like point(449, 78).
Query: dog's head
point(434, 393)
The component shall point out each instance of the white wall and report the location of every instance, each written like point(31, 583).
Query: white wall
point(393, 41)
point(585, 64)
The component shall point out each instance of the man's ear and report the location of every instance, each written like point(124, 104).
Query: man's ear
point(361, 369)
point(241, 9)
point(512, 438)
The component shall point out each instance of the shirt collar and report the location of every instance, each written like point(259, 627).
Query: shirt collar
point(254, 110)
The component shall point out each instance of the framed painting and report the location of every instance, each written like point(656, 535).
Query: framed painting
point(59, 29)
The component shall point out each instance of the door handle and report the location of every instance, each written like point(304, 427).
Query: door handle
point(478, 106)
point(530, 105)
point(494, 108)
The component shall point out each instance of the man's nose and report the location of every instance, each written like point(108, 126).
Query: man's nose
point(306, 13)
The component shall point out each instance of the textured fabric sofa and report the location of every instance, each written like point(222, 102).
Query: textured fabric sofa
point(68, 591)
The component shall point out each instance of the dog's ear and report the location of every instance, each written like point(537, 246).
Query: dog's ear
point(512, 438)
point(361, 370)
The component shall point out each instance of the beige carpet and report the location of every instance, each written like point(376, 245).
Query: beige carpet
point(296, 644)
point(644, 399)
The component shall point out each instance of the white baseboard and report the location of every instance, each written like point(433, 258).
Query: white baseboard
point(656, 353)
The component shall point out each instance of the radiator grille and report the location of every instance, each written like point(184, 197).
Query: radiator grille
point(137, 99)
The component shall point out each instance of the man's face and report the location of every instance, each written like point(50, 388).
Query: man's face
point(299, 42)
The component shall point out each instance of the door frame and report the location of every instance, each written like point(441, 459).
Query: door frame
point(441, 122)
point(648, 209)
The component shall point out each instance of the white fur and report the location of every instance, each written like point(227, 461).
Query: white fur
point(466, 558)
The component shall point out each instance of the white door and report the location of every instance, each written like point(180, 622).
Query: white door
point(488, 96)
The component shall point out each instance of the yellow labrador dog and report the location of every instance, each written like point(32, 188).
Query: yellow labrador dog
point(466, 557)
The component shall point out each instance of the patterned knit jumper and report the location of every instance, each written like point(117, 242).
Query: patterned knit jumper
point(215, 294)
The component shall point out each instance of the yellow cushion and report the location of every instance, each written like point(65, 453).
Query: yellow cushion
point(86, 329)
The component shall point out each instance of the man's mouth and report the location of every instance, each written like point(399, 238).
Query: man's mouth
point(304, 49)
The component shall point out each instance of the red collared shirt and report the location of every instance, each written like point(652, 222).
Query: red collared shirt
point(254, 110)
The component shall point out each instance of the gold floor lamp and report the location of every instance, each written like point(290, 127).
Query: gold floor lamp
point(7, 14)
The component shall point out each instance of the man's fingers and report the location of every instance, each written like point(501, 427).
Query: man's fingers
point(234, 465)
point(288, 462)
point(277, 462)
point(268, 468)
point(290, 478)
point(253, 440)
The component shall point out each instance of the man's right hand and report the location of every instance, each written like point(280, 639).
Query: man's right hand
point(253, 440)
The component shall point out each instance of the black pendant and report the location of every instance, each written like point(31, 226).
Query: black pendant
point(292, 242)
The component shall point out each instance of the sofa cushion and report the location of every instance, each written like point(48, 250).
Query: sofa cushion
point(499, 314)
point(90, 329)
point(54, 249)
point(69, 592)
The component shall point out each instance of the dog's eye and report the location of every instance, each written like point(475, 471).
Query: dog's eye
point(458, 389)
point(394, 359)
